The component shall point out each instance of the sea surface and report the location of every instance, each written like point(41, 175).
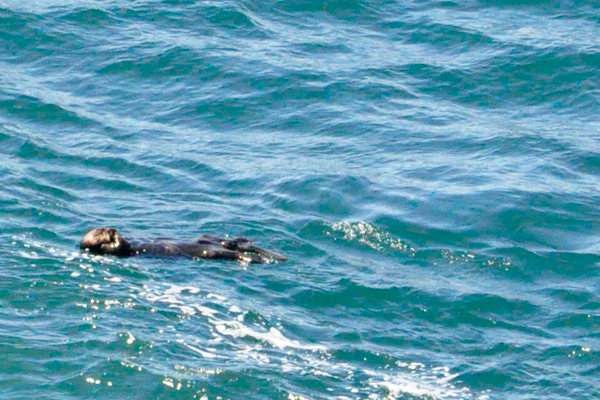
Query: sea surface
point(431, 169)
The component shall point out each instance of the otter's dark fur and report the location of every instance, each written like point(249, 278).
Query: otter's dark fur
point(109, 241)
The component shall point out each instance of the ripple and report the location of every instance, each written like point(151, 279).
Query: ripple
point(32, 108)
point(90, 17)
point(171, 62)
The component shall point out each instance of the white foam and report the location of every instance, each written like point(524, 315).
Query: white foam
point(418, 382)
point(205, 354)
point(216, 297)
point(175, 289)
point(273, 348)
point(273, 336)
point(207, 312)
point(185, 309)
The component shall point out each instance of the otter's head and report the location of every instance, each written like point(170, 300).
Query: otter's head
point(105, 241)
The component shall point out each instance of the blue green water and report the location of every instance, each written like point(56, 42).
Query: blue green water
point(431, 169)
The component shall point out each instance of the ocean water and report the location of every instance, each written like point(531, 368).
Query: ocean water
point(431, 169)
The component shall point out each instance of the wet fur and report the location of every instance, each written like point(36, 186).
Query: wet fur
point(108, 241)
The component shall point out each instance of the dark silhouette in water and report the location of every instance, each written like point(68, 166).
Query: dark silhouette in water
point(109, 241)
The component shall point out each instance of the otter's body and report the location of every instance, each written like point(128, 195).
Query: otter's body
point(108, 241)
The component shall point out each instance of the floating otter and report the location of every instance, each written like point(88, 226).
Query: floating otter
point(109, 241)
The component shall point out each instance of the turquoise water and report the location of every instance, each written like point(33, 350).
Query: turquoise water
point(431, 169)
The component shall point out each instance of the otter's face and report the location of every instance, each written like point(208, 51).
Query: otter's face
point(105, 241)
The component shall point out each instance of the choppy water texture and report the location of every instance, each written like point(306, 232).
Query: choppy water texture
point(431, 168)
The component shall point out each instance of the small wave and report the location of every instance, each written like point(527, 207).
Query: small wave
point(175, 61)
point(270, 347)
point(233, 16)
point(36, 109)
point(436, 383)
point(89, 17)
point(367, 234)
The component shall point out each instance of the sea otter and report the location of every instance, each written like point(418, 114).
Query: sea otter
point(109, 241)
